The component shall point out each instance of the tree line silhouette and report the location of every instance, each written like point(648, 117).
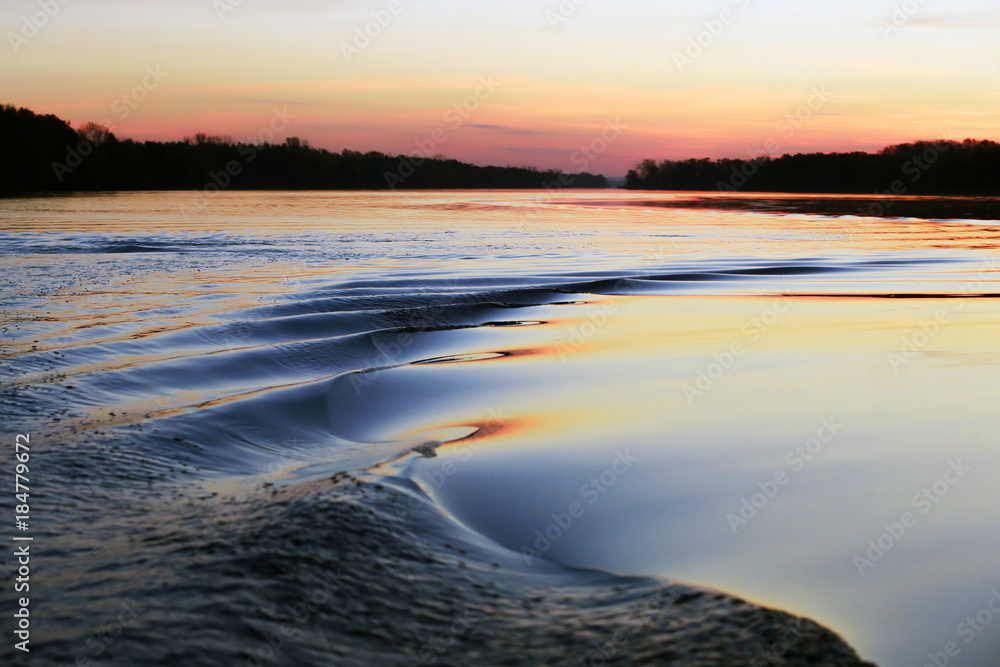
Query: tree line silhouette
point(922, 168)
point(45, 154)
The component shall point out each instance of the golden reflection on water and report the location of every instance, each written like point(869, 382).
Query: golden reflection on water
point(655, 346)
point(819, 359)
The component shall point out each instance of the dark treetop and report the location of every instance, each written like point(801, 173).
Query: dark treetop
point(922, 168)
point(43, 153)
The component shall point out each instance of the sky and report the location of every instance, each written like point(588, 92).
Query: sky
point(565, 84)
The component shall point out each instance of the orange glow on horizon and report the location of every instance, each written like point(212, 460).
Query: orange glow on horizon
point(558, 85)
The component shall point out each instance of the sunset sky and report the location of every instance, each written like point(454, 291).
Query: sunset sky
point(558, 75)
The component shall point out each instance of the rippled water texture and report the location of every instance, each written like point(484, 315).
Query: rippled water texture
point(795, 409)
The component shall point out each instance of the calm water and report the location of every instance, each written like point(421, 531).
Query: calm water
point(799, 410)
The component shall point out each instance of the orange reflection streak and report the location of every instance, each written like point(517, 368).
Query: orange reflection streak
point(498, 426)
point(472, 357)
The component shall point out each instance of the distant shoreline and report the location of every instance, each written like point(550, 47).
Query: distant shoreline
point(45, 154)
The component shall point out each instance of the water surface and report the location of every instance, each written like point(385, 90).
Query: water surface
point(739, 400)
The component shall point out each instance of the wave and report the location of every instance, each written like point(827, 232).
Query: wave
point(363, 569)
point(247, 492)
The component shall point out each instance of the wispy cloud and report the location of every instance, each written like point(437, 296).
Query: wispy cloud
point(502, 128)
point(274, 101)
point(539, 151)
